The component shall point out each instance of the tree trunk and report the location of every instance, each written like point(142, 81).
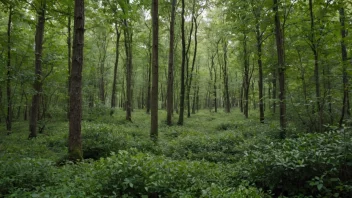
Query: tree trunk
point(281, 68)
point(102, 44)
point(314, 47)
point(128, 48)
point(193, 64)
point(149, 83)
point(214, 85)
point(226, 80)
point(345, 100)
point(69, 60)
point(74, 141)
point(260, 71)
point(182, 94)
point(246, 80)
point(155, 70)
point(114, 84)
point(170, 84)
point(39, 37)
point(9, 77)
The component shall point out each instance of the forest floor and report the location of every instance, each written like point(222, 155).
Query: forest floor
point(212, 155)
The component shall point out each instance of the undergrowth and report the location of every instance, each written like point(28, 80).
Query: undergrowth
point(212, 155)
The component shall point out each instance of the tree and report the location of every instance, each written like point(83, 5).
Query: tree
point(314, 47)
point(74, 141)
point(129, 67)
point(155, 71)
point(170, 84)
point(38, 84)
point(114, 9)
point(183, 65)
point(226, 78)
point(345, 100)
point(281, 67)
point(8, 79)
point(257, 8)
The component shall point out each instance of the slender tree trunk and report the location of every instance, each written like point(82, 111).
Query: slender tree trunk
point(170, 84)
point(281, 68)
point(187, 91)
point(155, 70)
point(195, 105)
point(114, 84)
point(194, 101)
point(74, 140)
point(274, 90)
point(25, 112)
point(214, 85)
point(128, 46)
point(9, 77)
point(69, 60)
point(314, 47)
point(345, 100)
point(260, 71)
point(39, 37)
point(183, 65)
point(246, 80)
point(193, 65)
point(102, 45)
point(149, 82)
point(226, 80)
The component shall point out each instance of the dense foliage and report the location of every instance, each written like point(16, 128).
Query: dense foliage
point(216, 159)
point(261, 89)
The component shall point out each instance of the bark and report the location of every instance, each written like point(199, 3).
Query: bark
point(214, 84)
point(114, 84)
point(74, 141)
point(281, 68)
point(149, 83)
point(170, 84)
point(102, 44)
point(195, 105)
point(155, 71)
point(193, 65)
point(260, 71)
point(129, 69)
point(226, 80)
point(182, 75)
point(69, 48)
point(246, 78)
point(9, 77)
point(274, 89)
point(345, 100)
point(314, 47)
point(39, 37)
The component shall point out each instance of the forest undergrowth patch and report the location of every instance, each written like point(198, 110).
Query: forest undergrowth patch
point(225, 156)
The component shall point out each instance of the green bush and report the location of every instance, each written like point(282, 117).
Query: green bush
point(126, 174)
point(27, 174)
point(139, 175)
point(312, 164)
point(222, 147)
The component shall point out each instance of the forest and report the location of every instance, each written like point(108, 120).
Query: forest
point(175, 98)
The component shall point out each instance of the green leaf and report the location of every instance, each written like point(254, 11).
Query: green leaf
point(320, 186)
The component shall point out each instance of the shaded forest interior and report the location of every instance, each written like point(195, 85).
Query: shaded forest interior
point(167, 98)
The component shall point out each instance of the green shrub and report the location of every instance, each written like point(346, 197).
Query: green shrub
point(26, 174)
point(312, 164)
point(223, 147)
point(140, 174)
